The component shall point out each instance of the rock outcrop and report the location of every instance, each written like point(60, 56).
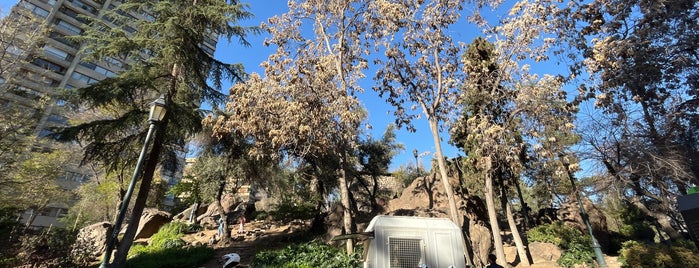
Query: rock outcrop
point(151, 221)
point(91, 242)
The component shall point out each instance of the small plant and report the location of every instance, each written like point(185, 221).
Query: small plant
point(680, 254)
point(312, 254)
point(577, 247)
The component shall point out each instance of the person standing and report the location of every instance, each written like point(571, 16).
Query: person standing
point(220, 227)
point(241, 229)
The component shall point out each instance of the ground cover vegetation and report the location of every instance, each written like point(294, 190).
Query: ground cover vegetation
point(615, 122)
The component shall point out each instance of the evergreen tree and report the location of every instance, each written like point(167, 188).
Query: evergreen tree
point(165, 55)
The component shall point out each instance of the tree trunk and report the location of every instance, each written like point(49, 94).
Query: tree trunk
point(521, 249)
point(149, 170)
point(346, 215)
point(519, 244)
point(453, 212)
point(525, 207)
point(492, 215)
point(226, 234)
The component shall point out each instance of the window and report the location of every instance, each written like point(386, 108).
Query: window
point(104, 71)
point(49, 66)
point(113, 61)
point(75, 30)
point(405, 252)
point(98, 69)
point(83, 77)
point(84, 6)
point(35, 9)
point(70, 13)
point(58, 53)
point(63, 40)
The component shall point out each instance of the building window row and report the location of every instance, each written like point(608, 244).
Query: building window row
point(75, 15)
point(63, 40)
point(83, 77)
point(58, 53)
point(35, 9)
point(84, 6)
point(69, 27)
point(49, 66)
point(98, 69)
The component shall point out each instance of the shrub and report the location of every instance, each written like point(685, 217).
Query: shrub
point(285, 211)
point(680, 254)
point(167, 249)
point(312, 254)
point(576, 246)
point(172, 258)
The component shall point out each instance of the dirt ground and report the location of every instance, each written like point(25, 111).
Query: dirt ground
point(257, 236)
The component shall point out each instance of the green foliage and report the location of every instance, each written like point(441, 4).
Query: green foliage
point(635, 227)
point(288, 209)
point(308, 255)
point(172, 258)
point(577, 246)
point(680, 254)
point(50, 249)
point(405, 174)
point(168, 237)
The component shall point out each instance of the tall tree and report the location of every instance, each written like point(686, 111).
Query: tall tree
point(488, 130)
point(165, 56)
point(21, 33)
point(306, 103)
point(375, 157)
point(420, 68)
point(640, 63)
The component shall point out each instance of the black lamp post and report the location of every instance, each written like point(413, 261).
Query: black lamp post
point(157, 112)
point(417, 163)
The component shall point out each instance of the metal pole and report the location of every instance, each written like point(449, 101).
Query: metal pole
point(127, 198)
point(586, 219)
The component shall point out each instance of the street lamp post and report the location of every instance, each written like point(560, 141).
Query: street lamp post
point(157, 112)
point(417, 163)
point(596, 247)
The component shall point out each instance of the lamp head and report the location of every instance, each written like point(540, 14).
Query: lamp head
point(157, 109)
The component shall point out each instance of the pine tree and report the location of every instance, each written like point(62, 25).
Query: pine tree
point(165, 56)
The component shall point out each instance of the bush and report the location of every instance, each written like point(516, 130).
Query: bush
point(172, 258)
point(576, 246)
point(285, 211)
point(312, 254)
point(680, 254)
point(167, 249)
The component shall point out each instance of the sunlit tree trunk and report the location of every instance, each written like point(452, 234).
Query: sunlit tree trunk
point(346, 209)
point(492, 215)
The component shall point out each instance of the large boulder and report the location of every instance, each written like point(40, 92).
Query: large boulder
point(91, 242)
point(569, 213)
point(184, 215)
point(544, 252)
point(151, 221)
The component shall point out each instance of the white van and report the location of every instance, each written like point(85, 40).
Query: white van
point(410, 242)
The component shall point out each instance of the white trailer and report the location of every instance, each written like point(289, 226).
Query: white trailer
point(410, 242)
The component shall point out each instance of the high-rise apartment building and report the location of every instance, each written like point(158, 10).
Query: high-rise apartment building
point(57, 65)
